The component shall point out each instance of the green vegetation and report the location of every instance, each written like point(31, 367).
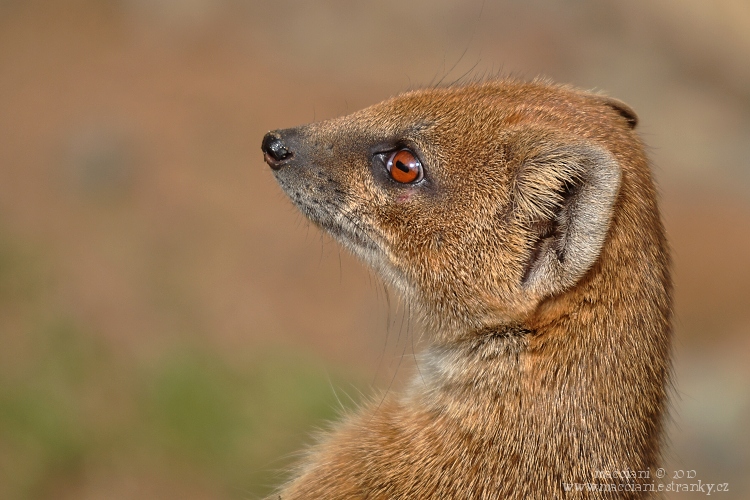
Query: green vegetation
point(73, 406)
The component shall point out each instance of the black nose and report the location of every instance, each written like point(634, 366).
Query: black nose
point(275, 152)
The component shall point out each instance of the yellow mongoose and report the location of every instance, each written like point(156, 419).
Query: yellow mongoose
point(520, 221)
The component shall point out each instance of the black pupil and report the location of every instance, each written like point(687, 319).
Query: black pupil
point(401, 166)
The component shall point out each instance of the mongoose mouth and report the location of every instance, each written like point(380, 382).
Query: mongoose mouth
point(338, 223)
point(352, 237)
point(327, 213)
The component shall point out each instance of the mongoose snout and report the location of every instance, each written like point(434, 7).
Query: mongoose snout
point(519, 221)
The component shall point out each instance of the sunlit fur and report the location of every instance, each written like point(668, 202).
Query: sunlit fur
point(534, 255)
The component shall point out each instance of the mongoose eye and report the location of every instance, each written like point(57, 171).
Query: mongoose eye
point(404, 167)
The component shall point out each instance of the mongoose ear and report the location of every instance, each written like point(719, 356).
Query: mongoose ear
point(566, 194)
point(625, 111)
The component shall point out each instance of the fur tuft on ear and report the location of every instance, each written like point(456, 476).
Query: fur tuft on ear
point(566, 195)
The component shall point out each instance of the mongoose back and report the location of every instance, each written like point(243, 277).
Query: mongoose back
point(519, 219)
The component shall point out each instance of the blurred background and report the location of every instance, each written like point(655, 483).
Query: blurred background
point(171, 327)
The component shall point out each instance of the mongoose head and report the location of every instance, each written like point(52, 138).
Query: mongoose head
point(476, 202)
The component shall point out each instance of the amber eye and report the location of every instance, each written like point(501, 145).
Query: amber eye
point(404, 167)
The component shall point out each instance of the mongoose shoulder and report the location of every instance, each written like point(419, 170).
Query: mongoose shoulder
point(519, 219)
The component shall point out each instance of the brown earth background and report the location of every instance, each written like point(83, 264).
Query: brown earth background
point(171, 327)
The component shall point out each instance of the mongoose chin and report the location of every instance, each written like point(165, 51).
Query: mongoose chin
point(520, 221)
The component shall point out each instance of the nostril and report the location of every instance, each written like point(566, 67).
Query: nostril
point(276, 152)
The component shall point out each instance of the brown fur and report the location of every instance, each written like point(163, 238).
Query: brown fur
point(534, 254)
